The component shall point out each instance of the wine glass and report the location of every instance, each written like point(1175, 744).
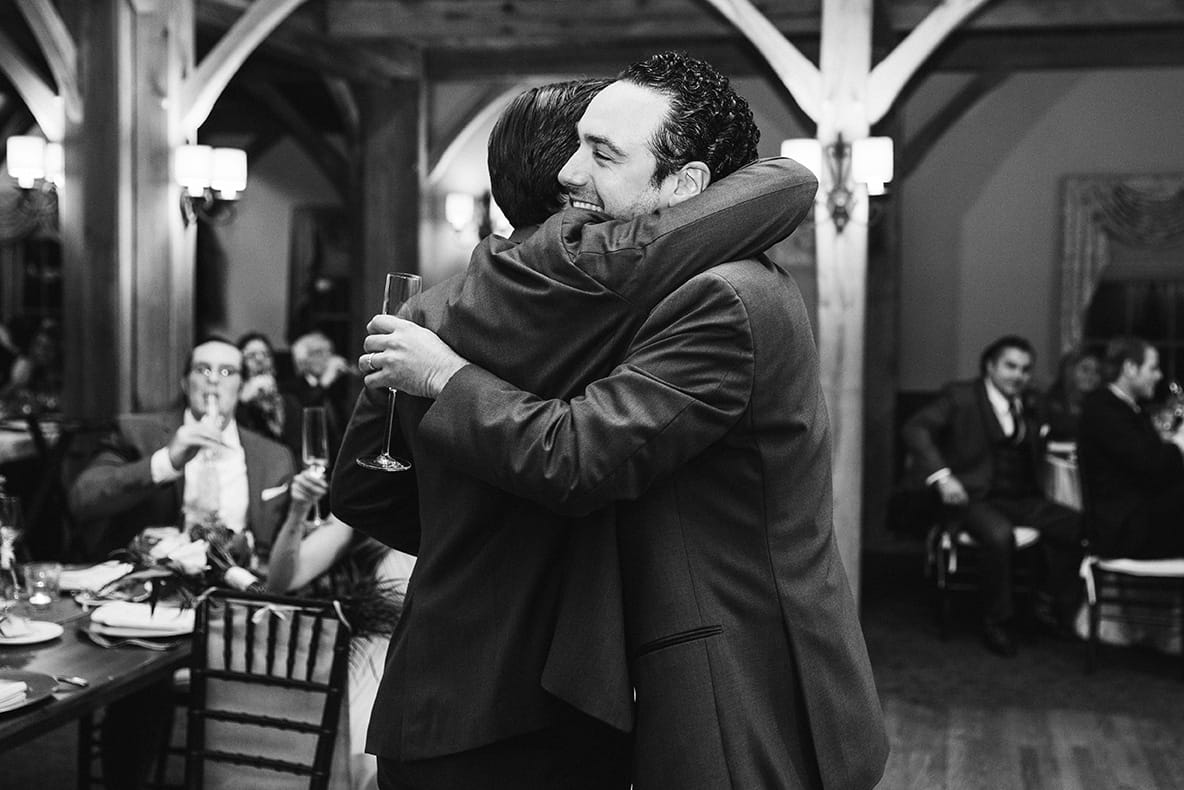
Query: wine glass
point(399, 288)
point(314, 449)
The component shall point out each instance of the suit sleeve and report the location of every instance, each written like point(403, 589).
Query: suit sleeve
point(922, 432)
point(686, 381)
point(1117, 437)
point(646, 258)
point(115, 481)
point(383, 505)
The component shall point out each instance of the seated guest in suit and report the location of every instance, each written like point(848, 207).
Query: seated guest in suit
point(152, 470)
point(1079, 374)
point(173, 467)
point(980, 447)
point(323, 378)
point(1134, 478)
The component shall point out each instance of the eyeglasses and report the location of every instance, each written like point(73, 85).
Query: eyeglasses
point(211, 373)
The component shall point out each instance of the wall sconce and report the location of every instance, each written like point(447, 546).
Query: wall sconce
point(458, 210)
point(210, 180)
point(37, 166)
point(31, 159)
point(867, 161)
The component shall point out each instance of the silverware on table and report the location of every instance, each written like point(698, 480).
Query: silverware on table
point(103, 641)
point(72, 680)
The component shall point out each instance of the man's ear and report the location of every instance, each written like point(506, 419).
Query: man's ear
point(691, 179)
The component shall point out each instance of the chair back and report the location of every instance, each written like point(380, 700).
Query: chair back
point(267, 683)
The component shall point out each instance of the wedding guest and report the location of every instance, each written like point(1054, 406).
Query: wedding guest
point(262, 407)
point(35, 378)
point(151, 470)
point(322, 377)
point(1134, 478)
point(1078, 375)
point(979, 447)
point(331, 560)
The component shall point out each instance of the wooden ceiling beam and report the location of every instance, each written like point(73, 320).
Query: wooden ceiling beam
point(963, 51)
point(333, 164)
point(489, 24)
point(299, 41)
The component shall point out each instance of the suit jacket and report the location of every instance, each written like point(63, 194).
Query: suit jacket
point(491, 617)
point(711, 440)
point(1124, 464)
point(958, 430)
point(115, 497)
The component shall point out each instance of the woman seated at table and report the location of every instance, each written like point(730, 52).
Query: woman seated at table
point(332, 560)
point(1078, 375)
point(35, 379)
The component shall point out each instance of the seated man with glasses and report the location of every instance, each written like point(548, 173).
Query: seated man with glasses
point(189, 463)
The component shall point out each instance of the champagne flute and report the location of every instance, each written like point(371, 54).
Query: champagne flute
point(399, 288)
point(314, 449)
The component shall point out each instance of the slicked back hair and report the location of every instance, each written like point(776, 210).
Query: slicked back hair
point(530, 143)
point(992, 352)
point(1123, 349)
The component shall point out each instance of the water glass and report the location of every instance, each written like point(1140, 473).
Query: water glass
point(42, 580)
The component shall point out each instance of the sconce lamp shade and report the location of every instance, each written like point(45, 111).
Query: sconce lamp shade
point(26, 159)
point(228, 175)
point(458, 209)
point(191, 167)
point(55, 163)
point(806, 151)
point(871, 163)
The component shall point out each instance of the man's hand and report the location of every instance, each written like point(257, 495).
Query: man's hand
point(951, 491)
point(403, 355)
point(189, 440)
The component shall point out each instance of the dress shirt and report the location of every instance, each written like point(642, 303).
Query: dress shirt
point(231, 465)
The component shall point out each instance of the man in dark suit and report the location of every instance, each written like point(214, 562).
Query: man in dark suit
point(146, 473)
point(1134, 478)
point(979, 447)
point(708, 437)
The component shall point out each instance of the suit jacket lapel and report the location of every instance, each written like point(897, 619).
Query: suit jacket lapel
point(994, 429)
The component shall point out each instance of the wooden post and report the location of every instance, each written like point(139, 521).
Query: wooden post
point(842, 266)
point(388, 189)
point(127, 255)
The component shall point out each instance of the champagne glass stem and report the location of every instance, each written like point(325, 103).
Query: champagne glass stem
point(390, 425)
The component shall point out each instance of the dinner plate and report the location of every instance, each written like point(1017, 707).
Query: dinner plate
point(39, 687)
point(139, 633)
point(39, 631)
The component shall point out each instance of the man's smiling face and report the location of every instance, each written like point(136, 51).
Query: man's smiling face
point(612, 170)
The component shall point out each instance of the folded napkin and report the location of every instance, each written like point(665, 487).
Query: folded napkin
point(11, 625)
point(12, 692)
point(140, 616)
point(94, 578)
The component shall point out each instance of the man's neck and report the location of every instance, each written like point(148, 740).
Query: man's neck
point(1124, 393)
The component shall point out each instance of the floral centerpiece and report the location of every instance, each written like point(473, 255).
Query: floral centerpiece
point(184, 564)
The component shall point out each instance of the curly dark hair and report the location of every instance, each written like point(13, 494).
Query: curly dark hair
point(530, 143)
point(708, 120)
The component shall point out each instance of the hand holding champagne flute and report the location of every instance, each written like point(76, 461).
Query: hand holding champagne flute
point(314, 449)
point(400, 287)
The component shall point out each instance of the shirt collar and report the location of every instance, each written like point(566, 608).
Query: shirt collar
point(999, 402)
point(1122, 396)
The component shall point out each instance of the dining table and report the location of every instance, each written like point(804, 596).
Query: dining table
point(108, 673)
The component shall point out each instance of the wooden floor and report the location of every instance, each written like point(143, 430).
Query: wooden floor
point(937, 747)
point(958, 717)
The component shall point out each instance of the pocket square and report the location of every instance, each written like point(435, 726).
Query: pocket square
point(269, 494)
